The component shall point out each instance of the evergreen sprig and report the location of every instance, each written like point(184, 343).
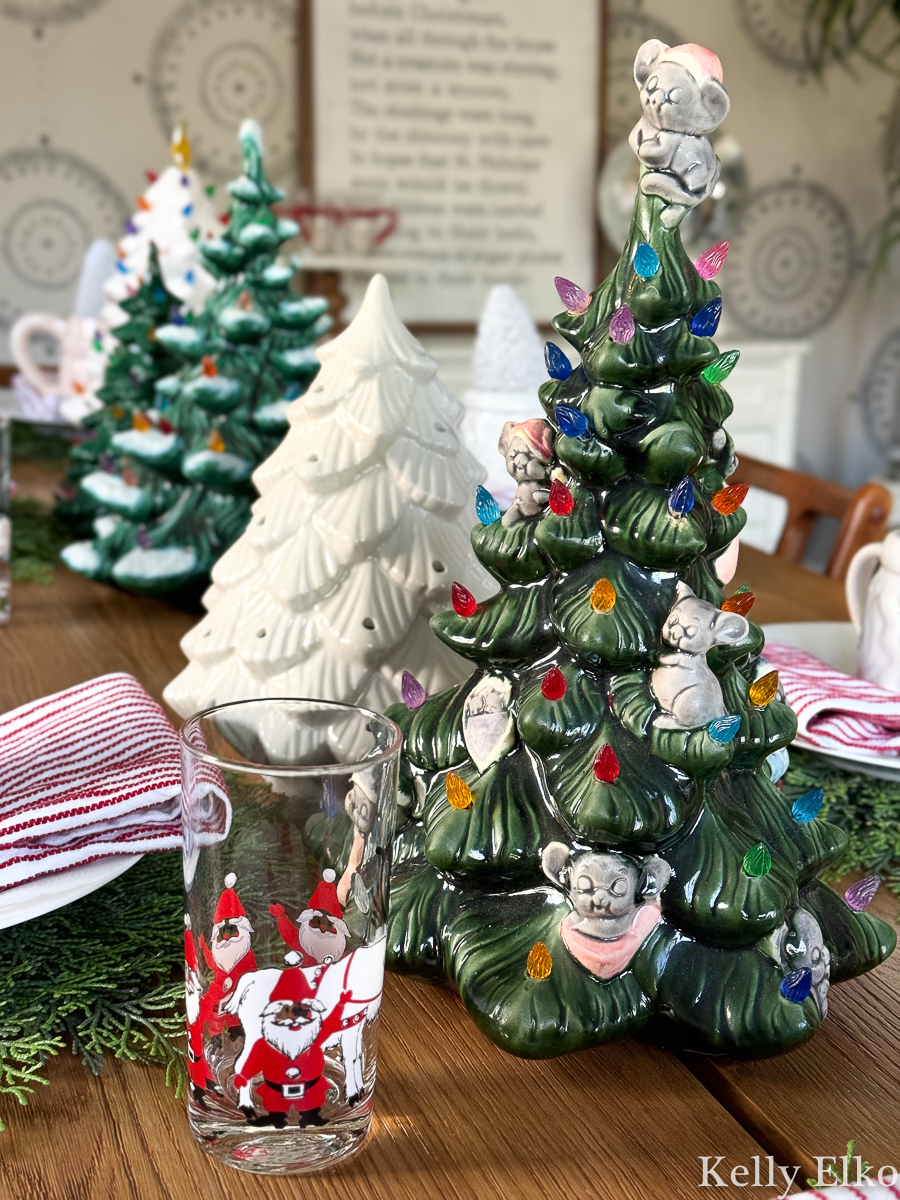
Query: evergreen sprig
point(38, 535)
point(103, 974)
point(867, 809)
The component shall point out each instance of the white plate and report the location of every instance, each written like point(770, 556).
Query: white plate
point(43, 895)
point(834, 642)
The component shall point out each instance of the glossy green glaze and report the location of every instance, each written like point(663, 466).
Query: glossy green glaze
point(590, 767)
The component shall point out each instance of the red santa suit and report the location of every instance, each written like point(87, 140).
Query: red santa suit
point(223, 983)
point(198, 1069)
point(294, 1082)
point(324, 899)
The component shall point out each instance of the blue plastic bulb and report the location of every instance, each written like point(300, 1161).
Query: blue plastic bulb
point(558, 366)
point(806, 808)
point(189, 277)
point(706, 321)
point(779, 761)
point(724, 729)
point(681, 498)
point(571, 421)
point(487, 510)
point(646, 261)
point(797, 985)
point(187, 210)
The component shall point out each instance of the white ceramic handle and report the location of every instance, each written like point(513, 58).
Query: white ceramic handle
point(20, 337)
point(863, 566)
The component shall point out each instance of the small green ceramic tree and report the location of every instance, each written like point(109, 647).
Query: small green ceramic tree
point(183, 490)
point(135, 365)
point(594, 841)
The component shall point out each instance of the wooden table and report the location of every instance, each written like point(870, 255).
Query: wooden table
point(455, 1117)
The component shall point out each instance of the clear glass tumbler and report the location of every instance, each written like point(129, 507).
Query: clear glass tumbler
point(284, 954)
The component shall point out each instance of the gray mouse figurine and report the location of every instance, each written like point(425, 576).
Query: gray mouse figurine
point(683, 100)
point(605, 889)
point(527, 447)
point(686, 689)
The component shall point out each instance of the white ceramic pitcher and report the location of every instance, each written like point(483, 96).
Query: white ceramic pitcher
point(873, 597)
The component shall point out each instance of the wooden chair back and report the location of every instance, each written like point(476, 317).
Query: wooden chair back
point(863, 514)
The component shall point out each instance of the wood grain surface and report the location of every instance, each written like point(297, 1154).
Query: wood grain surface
point(455, 1117)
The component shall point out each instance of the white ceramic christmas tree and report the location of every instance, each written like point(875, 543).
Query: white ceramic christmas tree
point(361, 527)
point(175, 213)
point(507, 370)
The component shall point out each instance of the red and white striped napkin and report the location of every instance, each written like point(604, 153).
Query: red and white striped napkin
point(86, 773)
point(836, 711)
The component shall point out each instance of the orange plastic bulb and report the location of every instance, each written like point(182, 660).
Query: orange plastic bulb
point(459, 794)
point(763, 690)
point(216, 442)
point(139, 421)
point(539, 963)
point(729, 499)
point(209, 367)
point(603, 596)
point(740, 602)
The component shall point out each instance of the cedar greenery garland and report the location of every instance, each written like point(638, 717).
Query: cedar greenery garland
point(103, 974)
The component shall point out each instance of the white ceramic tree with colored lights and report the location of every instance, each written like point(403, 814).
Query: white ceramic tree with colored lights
point(362, 524)
point(175, 214)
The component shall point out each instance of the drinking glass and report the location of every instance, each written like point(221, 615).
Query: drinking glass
point(288, 812)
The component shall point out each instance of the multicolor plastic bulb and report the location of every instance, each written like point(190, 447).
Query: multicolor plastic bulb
point(561, 499)
point(711, 261)
point(487, 510)
point(808, 806)
point(646, 261)
point(758, 861)
point(576, 299)
point(724, 729)
point(558, 366)
point(621, 325)
point(603, 596)
point(553, 685)
point(740, 603)
point(720, 368)
point(459, 794)
point(539, 963)
point(797, 985)
point(764, 689)
point(606, 765)
point(706, 321)
point(860, 895)
point(682, 498)
point(464, 603)
point(411, 691)
point(729, 499)
point(571, 421)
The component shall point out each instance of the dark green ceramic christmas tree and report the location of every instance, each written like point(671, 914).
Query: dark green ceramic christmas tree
point(135, 365)
point(594, 843)
point(182, 492)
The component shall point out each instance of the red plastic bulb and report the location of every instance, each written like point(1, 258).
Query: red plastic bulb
point(464, 602)
point(561, 499)
point(606, 765)
point(554, 685)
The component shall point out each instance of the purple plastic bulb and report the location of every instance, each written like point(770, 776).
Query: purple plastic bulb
point(576, 299)
point(130, 226)
point(860, 895)
point(142, 537)
point(411, 691)
point(621, 325)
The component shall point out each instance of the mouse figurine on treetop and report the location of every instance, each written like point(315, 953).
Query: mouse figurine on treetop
point(590, 840)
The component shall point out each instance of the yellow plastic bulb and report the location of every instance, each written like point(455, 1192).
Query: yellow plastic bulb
point(603, 597)
point(764, 689)
point(140, 422)
point(459, 794)
point(181, 147)
point(539, 963)
point(216, 442)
